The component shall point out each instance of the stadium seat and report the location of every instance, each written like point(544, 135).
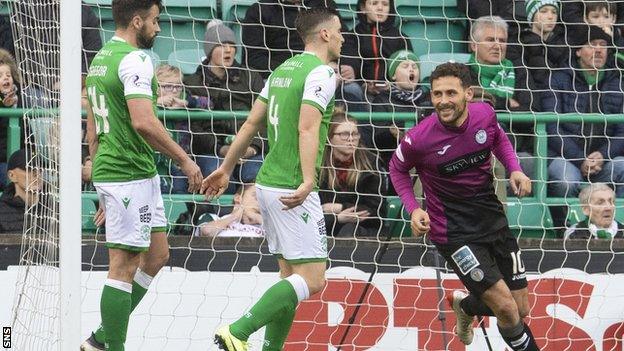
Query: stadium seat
point(398, 222)
point(347, 9)
point(88, 211)
point(187, 60)
point(429, 62)
point(5, 7)
point(530, 220)
point(432, 25)
point(233, 13)
point(156, 61)
point(173, 209)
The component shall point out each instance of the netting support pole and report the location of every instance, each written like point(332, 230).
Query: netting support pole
point(69, 175)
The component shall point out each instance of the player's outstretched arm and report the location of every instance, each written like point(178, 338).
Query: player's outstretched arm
point(151, 129)
point(309, 124)
point(216, 183)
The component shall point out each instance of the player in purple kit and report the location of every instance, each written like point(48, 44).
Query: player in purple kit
point(451, 152)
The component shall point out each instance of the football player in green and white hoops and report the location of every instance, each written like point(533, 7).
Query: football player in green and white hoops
point(296, 106)
point(122, 130)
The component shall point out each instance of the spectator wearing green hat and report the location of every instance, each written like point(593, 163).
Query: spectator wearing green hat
point(404, 95)
point(542, 45)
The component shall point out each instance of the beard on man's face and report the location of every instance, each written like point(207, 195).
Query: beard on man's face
point(144, 41)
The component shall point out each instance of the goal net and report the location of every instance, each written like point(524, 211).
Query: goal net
point(385, 287)
point(36, 304)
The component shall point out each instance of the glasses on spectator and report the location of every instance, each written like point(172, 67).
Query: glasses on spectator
point(346, 135)
point(171, 87)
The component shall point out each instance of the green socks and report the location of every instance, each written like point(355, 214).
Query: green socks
point(115, 310)
point(139, 288)
point(277, 331)
point(279, 300)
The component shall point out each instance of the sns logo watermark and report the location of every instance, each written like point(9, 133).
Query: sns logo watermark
point(6, 337)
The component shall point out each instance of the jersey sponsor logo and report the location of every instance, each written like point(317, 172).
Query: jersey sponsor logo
point(443, 151)
point(321, 228)
point(126, 201)
point(138, 82)
point(465, 259)
point(144, 215)
point(481, 136)
point(464, 163)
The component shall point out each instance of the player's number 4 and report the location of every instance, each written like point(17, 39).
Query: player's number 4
point(98, 106)
point(273, 119)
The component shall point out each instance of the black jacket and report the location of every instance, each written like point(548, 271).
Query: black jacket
point(369, 45)
point(572, 94)
point(538, 56)
point(236, 92)
point(12, 210)
point(6, 34)
point(368, 194)
point(268, 33)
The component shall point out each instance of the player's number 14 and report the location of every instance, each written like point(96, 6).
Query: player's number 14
point(98, 106)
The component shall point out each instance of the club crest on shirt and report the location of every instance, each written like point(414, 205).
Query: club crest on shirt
point(481, 136)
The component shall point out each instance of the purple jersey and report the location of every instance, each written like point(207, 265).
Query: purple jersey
point(454, 166)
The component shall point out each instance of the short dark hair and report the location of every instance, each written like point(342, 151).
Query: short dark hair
point(453, 69)
point(308, 20)
point(600, 5)
point(125, 10)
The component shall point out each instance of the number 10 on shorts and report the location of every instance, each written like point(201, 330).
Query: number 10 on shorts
point(517, 264)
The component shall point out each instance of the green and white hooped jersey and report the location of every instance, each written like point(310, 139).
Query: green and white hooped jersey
point(302, 79)
point(120, 72)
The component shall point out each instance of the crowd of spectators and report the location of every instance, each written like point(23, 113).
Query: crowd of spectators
point(548, 56)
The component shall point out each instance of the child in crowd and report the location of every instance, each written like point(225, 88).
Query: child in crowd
point(543, 45)
point(404, 95)
point(244, 220)
point(172, 95)
point(231, 87)
point(373, 40)
point(9, 97)
point(603, 14)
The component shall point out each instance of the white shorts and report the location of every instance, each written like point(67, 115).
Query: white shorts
point(297, 235)
point(134, 210)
